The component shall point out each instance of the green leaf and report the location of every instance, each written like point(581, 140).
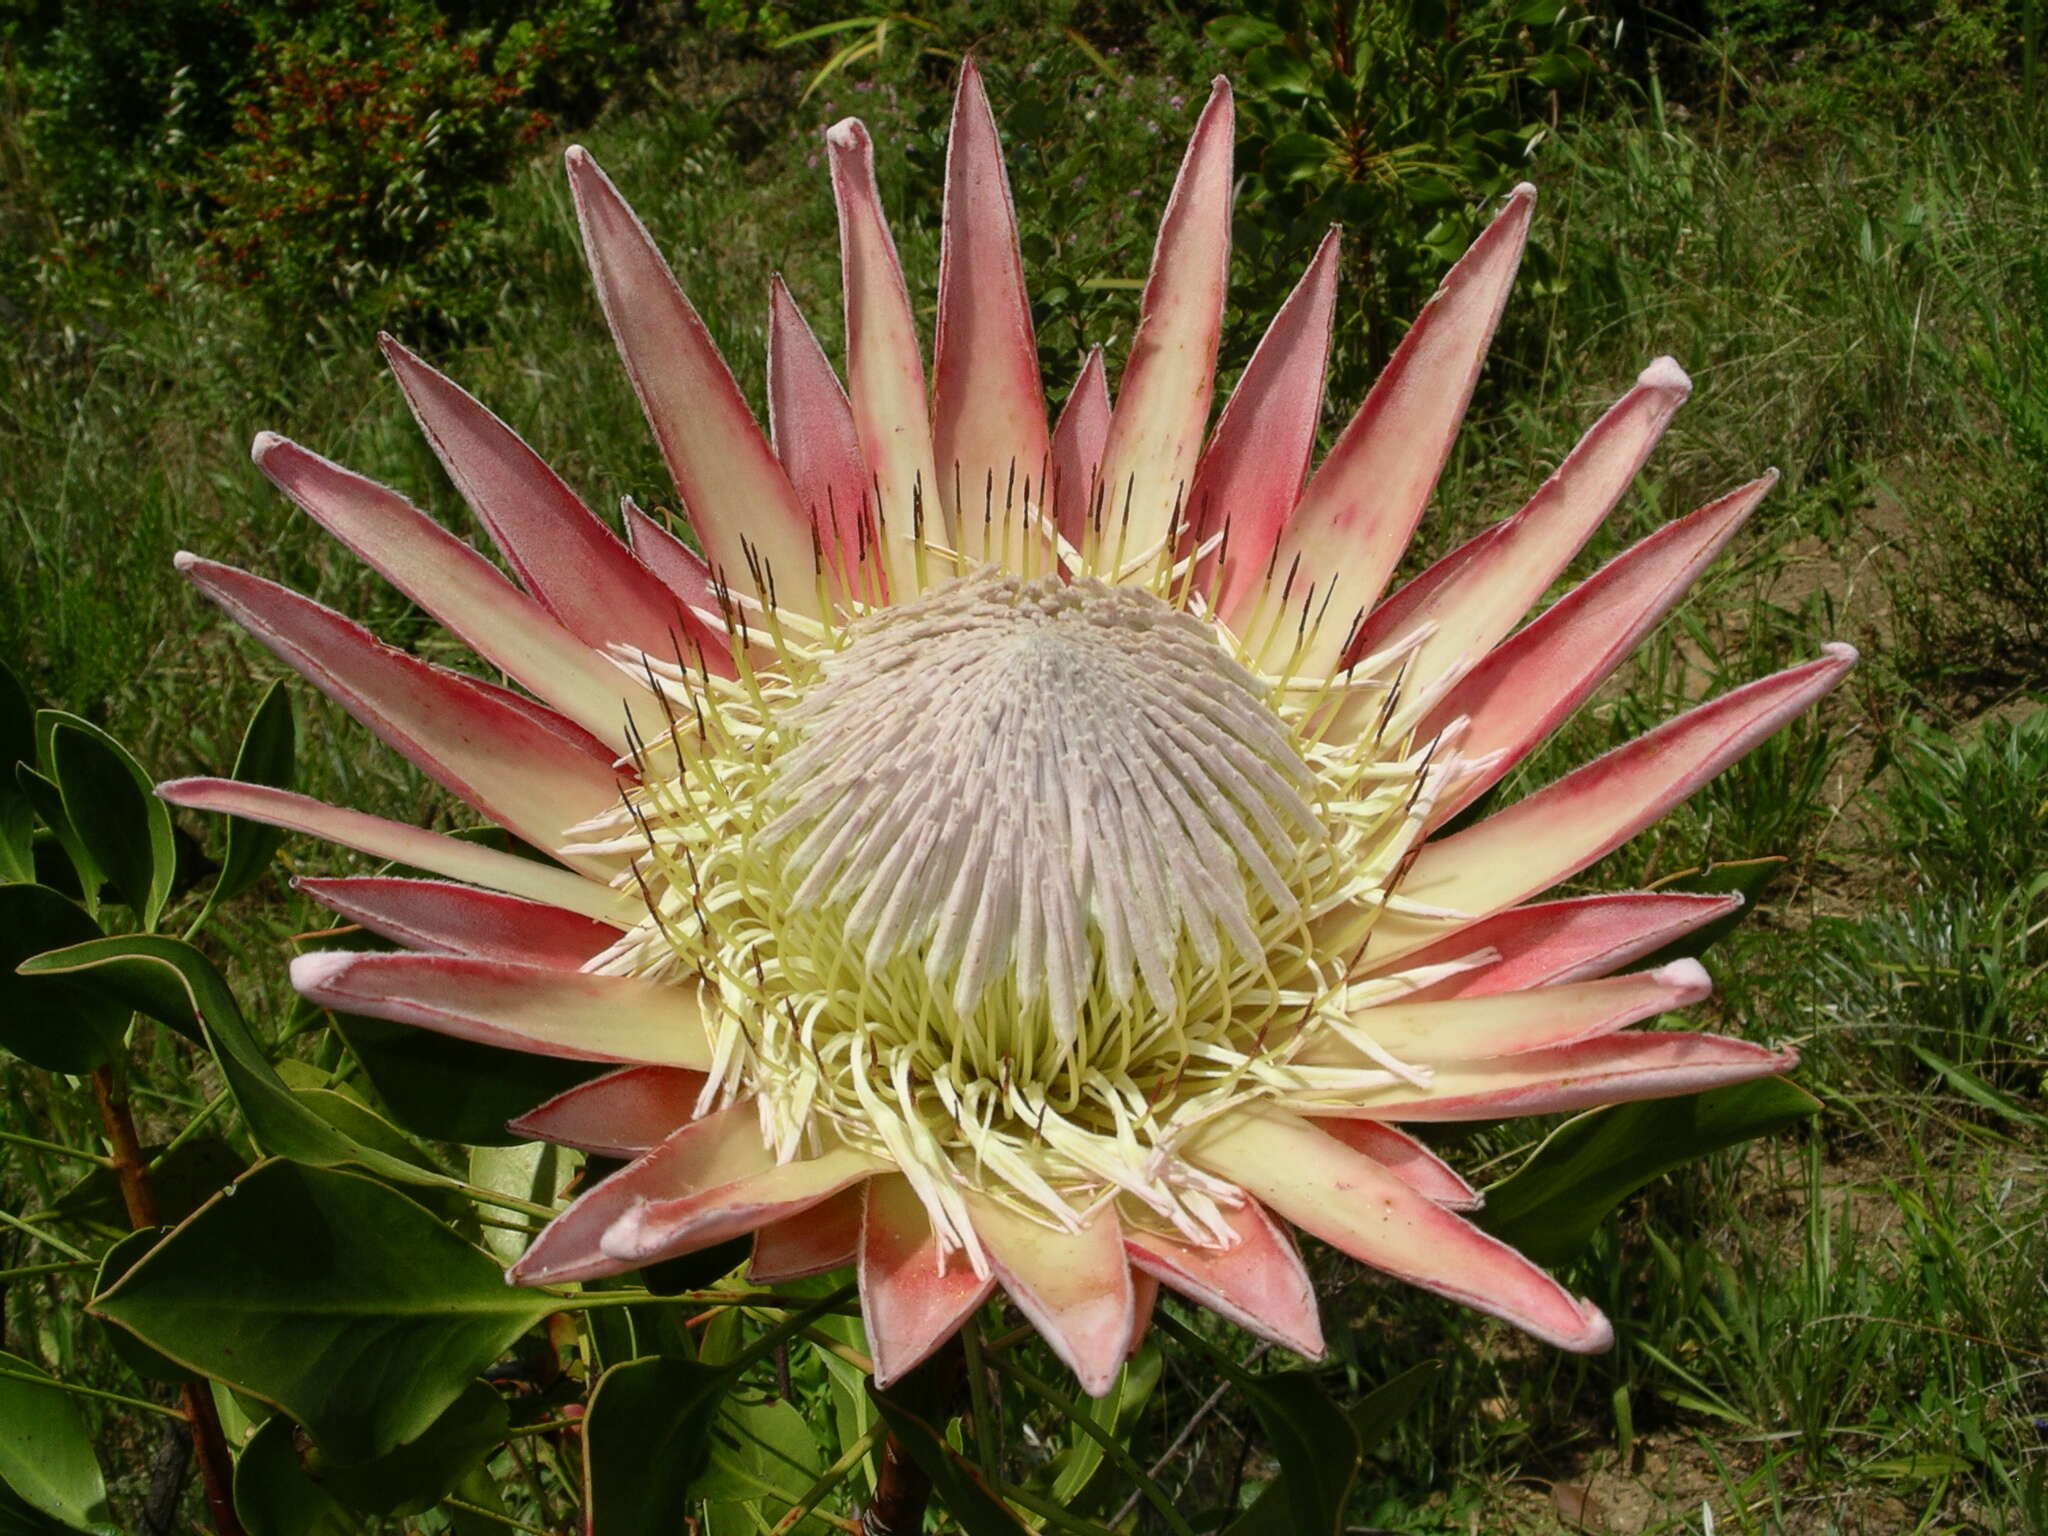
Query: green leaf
point(135, 1354)
point(113, 809)
point(46, 1459)
point(1551, 1205)
point(974, 1506)
point(330, 1295)
point(418, 1474)
point(268, 756)
point(646, 1440)
point(134, 965)
point(54, 1022)
point(1318, 1449)
point(273, 1495)
point(17, 745)
point(1745, 877)
point(764, 1459)
point(454, 1090)
point(46, 801)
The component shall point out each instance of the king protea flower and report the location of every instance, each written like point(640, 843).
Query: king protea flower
point(1001, 854)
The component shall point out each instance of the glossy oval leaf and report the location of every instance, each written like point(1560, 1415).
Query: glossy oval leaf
point(136, 1355)
point(46, 804)
point(55, 1022)
point(646, 1440)
point(46, 1458)
point(114, 812)
point(273, 1495)
point(330, 1295)
point(418, 1474)
point(135, 966)
point(1550, 1207)
point(764, 1459)
point(269, 755)
point(17, 745)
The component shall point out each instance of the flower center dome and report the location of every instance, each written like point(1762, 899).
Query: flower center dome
point(1011, 883)
point(1053, 791)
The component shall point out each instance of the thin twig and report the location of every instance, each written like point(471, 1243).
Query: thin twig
point(73, 1387)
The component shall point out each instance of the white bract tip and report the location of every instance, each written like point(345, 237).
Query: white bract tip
point(1687, 976)
point(316, 973)
point(1664, 373)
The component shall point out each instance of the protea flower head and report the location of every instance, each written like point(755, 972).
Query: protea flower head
point(1010, 855)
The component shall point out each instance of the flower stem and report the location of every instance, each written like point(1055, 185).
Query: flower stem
point(902, 1487)
point(209, 1443)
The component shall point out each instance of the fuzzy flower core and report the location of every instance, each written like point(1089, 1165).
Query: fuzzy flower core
point(1015, 884)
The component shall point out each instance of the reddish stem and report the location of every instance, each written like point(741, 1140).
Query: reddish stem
point(902, 1488)
point(131, 1172)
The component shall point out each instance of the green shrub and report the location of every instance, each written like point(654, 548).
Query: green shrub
point(359, 160)
point(314, 154)
point(1402, 123)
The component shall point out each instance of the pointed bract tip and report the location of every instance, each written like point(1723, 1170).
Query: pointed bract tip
point(1664, 373)
point(1524, 191)
point(848, 134)
point(1841, 652)
point(1687, 977)
point(576, 157)
point(265, 443)
point(315, 973)
point(396, 352)
point(522, 1273)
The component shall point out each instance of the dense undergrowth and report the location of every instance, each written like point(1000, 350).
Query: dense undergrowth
point(1838, 231)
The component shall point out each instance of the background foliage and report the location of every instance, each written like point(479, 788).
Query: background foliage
point(1835, 218)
